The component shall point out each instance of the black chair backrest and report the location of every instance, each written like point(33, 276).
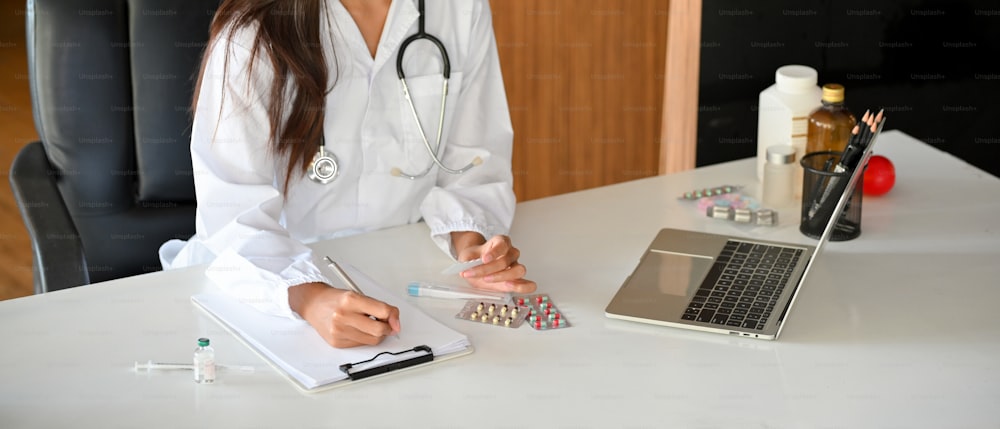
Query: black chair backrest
point(111, 85)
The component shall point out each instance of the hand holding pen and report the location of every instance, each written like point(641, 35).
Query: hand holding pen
point(342, 317)
point(356, 289)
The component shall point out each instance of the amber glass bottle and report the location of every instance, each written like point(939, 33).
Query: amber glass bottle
point(830, 124)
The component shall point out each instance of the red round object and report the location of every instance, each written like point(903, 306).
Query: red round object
point(880, 176)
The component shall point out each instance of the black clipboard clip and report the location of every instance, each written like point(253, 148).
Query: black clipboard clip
point(428, 356)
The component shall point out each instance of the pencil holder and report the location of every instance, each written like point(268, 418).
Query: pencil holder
point(822, 186)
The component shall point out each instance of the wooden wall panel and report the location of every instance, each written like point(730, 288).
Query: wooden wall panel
point(585, 82)
point(17, 128)
point(680, 106)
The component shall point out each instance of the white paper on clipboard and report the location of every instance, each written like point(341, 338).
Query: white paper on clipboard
point(295, 349)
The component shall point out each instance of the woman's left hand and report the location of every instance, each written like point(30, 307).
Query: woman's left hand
point(500, 271)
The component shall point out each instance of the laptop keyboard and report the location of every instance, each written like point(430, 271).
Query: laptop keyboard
point(743, 285)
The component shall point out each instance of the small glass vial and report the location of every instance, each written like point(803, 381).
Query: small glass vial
point(779, 175)
point(204, 362)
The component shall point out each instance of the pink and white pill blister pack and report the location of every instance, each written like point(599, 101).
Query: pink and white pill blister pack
point(543, 314)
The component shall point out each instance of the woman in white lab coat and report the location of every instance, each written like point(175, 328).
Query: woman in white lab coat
point(301, 72)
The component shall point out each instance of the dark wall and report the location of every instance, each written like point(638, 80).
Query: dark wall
point(926, 62)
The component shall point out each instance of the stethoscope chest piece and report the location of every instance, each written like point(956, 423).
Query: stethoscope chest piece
point(324, 167)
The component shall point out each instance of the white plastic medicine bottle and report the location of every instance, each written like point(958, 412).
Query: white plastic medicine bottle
point(783, 113)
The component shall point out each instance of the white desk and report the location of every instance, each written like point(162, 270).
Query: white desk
point(909, 339)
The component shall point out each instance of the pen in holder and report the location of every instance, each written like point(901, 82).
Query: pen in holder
point(822, 186)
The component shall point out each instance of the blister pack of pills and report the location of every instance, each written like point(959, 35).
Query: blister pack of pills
point(698, 194)
point(765, 217)
point(542, 312)
point(497, 313)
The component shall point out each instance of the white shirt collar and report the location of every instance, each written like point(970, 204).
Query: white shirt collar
point(402, 16)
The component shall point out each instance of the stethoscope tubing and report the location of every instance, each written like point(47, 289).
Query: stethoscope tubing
point(422, 34)
point(324, 159)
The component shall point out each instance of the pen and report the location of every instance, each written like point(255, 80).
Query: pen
point(347, 279)
point(432, 290)
point(343, 276)
point(817, 191)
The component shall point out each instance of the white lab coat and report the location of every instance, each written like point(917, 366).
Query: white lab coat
point(253, 235)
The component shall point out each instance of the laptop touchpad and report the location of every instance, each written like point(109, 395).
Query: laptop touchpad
point(663, 273)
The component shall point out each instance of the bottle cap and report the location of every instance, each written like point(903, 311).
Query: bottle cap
point(833, 93)
point(795, 78)
point(780, 154)
point(203, 342)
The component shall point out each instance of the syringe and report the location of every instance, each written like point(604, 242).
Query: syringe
point(150, 365)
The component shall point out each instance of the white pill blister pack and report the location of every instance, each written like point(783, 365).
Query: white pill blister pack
point(493, 312)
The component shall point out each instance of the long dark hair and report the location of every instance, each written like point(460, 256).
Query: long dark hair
point(289, 35)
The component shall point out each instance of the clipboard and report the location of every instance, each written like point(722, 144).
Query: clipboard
point(298, 353)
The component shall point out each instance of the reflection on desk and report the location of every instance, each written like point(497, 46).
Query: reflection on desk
point(907, 339)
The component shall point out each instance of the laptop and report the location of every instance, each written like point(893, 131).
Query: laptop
point(725, 284)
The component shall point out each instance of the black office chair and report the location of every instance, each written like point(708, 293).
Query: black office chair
point(110, 179)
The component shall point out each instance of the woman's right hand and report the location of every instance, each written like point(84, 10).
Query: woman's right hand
point(343, 318)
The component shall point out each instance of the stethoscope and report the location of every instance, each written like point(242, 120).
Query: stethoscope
point(325, 166)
